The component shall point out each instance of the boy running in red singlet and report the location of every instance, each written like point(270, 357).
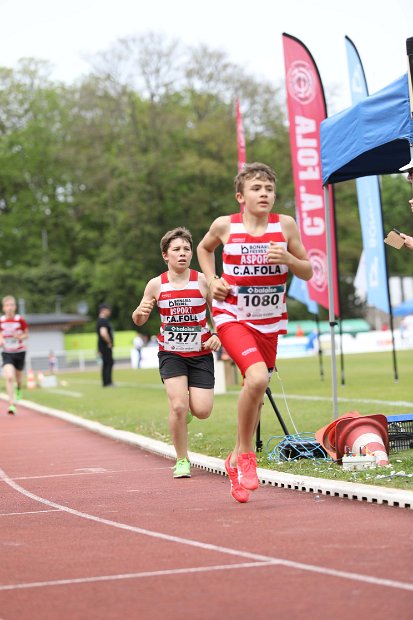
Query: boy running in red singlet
point(13, 332)
point(249, 300)
point(186, 363)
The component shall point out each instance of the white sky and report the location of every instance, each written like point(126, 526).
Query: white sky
point(66, 32)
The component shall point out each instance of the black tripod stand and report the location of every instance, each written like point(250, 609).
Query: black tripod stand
point(258, 441)
point(299, 445)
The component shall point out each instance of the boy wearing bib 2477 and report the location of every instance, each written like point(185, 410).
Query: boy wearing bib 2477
point(249, 300)
point(186, 363)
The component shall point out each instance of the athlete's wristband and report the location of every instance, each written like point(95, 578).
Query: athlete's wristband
point(214, 277)
point(214, 334)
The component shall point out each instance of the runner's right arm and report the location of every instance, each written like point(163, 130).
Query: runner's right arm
point(141, 314)
point(216, 235)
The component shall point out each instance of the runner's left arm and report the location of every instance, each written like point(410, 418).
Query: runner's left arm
point(23, 332)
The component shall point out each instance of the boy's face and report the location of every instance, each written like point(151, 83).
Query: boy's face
point(178, 255)
point(9, 307)
point(258, 195)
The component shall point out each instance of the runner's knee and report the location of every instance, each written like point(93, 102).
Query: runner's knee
point(179, 409)
point(256, 381)
point(201, 412)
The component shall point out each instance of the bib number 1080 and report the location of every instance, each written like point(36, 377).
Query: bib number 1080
point(259, 302)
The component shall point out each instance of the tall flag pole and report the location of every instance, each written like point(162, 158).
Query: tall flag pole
point(369, 201)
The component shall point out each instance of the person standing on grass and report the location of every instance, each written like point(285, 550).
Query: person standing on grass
point(13, 333)
point(138, 344)
point(105, 343)
point(249, 301)
point(186, 364)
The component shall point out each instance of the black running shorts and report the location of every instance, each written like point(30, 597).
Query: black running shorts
point(15, 359)
point(199, 369)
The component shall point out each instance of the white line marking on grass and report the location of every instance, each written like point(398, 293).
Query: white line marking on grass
point(390, 583)
point(152, 386)
point(63, 392)
point(157, 573)
point(369, 401)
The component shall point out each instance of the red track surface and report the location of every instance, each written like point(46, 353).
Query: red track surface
point(95, 529)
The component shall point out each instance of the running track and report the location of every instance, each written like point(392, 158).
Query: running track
point(91, 528)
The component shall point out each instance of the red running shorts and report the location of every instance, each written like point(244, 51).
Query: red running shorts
point(247, 346)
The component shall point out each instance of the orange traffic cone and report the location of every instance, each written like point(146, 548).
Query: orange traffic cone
point(30, 381)
point(366, 434)
point(326, 436)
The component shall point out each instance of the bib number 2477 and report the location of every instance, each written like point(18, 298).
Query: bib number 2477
point(182, 338)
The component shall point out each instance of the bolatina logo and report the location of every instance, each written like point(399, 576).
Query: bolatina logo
point(300, 82)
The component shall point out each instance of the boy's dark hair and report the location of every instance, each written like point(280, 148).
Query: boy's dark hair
point(250, 171)
point(177, 233)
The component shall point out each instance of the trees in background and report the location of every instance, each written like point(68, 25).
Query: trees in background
point(93, 174)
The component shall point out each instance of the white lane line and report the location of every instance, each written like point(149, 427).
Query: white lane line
point(92, 473)
point(157, 573)
point(391, 583)
point(27, 512)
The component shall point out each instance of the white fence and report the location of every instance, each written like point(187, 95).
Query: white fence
point(71, 360)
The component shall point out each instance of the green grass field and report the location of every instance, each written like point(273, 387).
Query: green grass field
point(139, 404)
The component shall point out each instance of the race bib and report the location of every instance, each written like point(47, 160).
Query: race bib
point(260, 302)
point(10, 341)
point(182, 339)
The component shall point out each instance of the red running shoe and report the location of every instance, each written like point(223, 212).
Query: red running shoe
point(237, 491)
point(247, 471)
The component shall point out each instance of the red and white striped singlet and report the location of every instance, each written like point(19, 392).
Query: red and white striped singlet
point(10, 328)
point(258, 294)
point(183, 317)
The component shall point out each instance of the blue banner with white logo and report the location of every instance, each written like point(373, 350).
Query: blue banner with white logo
point(368, 195)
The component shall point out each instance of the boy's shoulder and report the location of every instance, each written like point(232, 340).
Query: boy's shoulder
point(285, 218)
point(155, 282)
point(222, 222)
point(287, 221)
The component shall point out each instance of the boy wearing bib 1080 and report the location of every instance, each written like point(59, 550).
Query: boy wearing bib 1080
point(249, 300)
point(186, 363)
